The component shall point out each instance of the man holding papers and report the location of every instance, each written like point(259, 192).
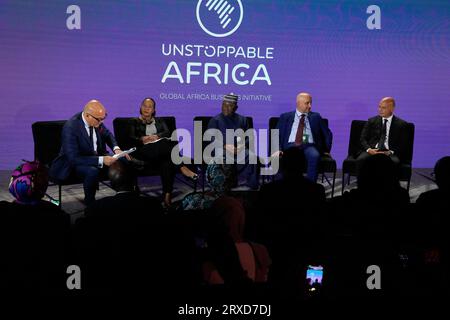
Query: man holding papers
point(83, 149)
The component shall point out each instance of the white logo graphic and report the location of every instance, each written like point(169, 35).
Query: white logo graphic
point(219, 18)
point(374, 21)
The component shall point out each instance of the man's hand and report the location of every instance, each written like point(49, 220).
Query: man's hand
point(230, 148)
point(153, 138)
point(108, 160)
point(277, 154)
point(119, 151)
point(376, 151)
point(372, 151)
point(147, 139)
point(239, 148)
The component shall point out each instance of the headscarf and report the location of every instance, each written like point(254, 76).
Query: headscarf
point(29, 182)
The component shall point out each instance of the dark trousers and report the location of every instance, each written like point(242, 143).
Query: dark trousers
point(90, 176)
point(158, 155)
point(364, 155)
point(312, 156)
point(250, 171)
point(251, 174)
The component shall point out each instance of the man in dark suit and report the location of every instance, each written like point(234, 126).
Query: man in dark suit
point(306, 130)
point(83, 149)
point(385, 133)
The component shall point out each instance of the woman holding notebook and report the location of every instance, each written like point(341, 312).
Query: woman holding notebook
point(151, 136)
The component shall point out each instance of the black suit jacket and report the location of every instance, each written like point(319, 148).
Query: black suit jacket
point(398, 135)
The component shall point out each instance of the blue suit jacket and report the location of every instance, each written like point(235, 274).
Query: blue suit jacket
point(76, 147)
point(321, 133)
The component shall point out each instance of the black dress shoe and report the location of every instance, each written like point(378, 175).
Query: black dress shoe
point(137, 164)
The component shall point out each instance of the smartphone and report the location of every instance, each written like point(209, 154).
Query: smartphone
point(314, 277)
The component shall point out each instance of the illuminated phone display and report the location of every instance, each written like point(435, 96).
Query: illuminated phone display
point(314, 276)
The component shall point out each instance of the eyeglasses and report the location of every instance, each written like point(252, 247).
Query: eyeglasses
point(98, 119)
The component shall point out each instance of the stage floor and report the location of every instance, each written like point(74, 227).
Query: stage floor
point(72, 195)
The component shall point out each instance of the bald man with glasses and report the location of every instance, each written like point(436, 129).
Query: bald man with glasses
point(83, 149)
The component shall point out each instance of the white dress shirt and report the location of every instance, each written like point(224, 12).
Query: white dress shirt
point(150, 128)
point(307, 128)
point(388, 128)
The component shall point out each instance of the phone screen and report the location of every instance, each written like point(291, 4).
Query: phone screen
point(314, 276)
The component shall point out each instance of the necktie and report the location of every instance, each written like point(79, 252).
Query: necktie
point(299, 134)
point(91, 137)
point(381, 146)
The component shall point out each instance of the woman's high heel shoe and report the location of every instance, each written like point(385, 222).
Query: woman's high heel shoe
point(193, 178)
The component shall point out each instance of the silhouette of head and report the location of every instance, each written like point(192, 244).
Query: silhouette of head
point(122, 179)
point(232, 213)
point(29, 182)
point(442, 173)
point(378, 173)
point(293, 162)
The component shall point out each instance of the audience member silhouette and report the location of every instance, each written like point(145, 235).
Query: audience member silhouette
point(128, 245)
point(371, 224)
point(127, 203)
point(440, 197)
point(291, 220)
point(253, 257)
point(432, 239)
point(286, 204)
point(293, 191)
point(33, 236)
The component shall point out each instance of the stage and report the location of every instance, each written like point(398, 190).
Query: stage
point(73, 195)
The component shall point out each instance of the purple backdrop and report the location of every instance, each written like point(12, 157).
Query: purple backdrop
point(49, 72)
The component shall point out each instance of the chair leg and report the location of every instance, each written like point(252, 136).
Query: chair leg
point(348, 179)
point(59, 195)
point(407, 186)
point(323, 174)
point(203, 182)
point(343, 182)
point(332, 186)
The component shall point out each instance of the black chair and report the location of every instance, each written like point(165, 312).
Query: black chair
point(326, 164)
point(205, 121)
point(47, 144)
point(122, 127)
point(349, 166)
